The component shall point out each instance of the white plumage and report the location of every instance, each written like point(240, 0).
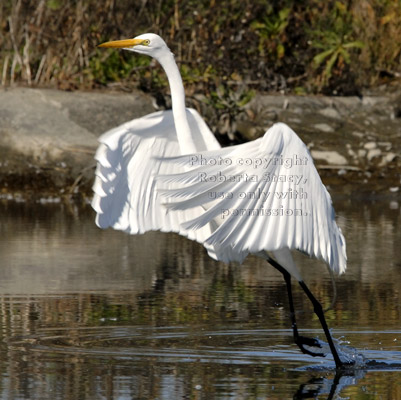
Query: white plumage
point(269, 197)
point(138, 164)
point(128, 160)
point(266, 198)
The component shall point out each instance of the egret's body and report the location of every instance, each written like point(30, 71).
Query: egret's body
point(150, 161)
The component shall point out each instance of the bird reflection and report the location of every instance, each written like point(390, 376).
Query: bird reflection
point(319, 386)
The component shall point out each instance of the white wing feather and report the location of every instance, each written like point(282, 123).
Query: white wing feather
point(281, 203)
point(128, 159)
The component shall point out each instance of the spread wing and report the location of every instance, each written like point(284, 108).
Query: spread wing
point(128, 159)
point(263, 195)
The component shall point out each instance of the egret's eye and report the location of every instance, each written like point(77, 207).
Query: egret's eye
point(145, 42)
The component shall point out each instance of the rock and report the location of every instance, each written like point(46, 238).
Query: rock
point(40, 128)
point(331, 157)
point(389, 157)
point(370, 145)
point(330, 112)
point(371, 101)
point(324, 127)
point(372, 153)
point(48, 137)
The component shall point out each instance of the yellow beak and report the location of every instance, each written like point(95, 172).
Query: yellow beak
point(122, 43)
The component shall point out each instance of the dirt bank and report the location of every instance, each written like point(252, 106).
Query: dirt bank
point(48, 138)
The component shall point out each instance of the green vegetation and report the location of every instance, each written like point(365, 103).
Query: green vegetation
point(271, 30)
point(334, 38)
point(222, 46)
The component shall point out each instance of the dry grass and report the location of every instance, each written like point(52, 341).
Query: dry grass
point(230, 42)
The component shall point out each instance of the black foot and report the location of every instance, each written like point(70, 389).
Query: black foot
point(312, 342)
point(302, 341)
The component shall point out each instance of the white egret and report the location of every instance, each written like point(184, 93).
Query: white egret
point(264, 197)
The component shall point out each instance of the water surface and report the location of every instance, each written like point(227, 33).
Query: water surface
point(92, 314)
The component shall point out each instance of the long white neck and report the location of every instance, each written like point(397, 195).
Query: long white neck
point(185, 140)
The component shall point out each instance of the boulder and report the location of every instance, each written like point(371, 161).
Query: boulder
point(48, 138)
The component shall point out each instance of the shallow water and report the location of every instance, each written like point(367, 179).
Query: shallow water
point(91, 314)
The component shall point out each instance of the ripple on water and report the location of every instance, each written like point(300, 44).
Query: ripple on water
point(180, 344)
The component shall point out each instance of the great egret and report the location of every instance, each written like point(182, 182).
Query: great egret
point(264, 197)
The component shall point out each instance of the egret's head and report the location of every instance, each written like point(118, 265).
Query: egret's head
point(148, 43)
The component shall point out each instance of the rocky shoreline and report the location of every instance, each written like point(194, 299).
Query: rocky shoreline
point(48, 138)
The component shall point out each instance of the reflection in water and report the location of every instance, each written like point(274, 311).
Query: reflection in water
point(89, 314)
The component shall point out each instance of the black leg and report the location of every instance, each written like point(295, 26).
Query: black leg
point(301, 340)
point(317, 307)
